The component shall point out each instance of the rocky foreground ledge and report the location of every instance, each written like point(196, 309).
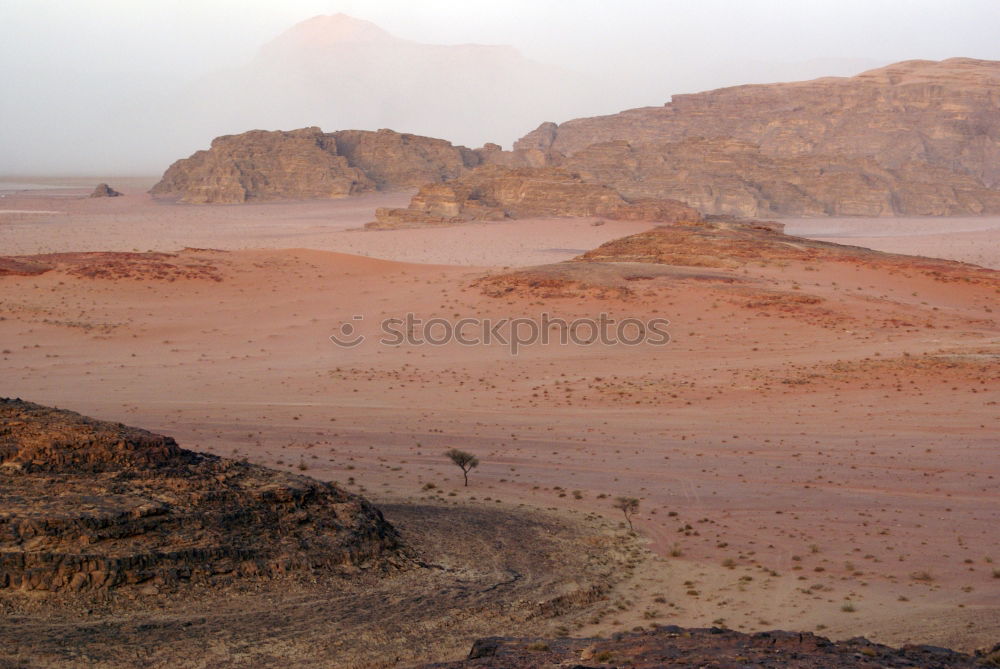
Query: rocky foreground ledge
point(88, 505)
point(710, 649)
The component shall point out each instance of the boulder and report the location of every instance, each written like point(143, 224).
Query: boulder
point(104, 190)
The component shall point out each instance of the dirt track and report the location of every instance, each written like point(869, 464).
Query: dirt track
point(488, 570)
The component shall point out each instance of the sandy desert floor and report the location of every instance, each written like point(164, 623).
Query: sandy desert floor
point(41, 219)
point(825, 466)
point(972, 240)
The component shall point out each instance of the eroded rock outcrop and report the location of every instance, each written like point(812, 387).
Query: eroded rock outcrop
point(917, 137)
point(264, 165)
point(393, 160)
point(673, 646)
point(90, 505)
point(308, 163)
point(104, 190)
point(493, 193)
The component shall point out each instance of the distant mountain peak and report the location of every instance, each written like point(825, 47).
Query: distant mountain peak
point(328, 30)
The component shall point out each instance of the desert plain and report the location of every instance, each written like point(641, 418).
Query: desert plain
point(815, 448)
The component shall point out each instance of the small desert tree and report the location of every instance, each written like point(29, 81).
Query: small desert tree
point(628, 506)
point(465, 461)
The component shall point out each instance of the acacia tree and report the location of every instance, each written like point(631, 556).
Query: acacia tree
point(465, 461)
point(628, 506)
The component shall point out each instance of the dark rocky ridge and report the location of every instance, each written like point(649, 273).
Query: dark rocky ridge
point(88, 505)
point(709, 649)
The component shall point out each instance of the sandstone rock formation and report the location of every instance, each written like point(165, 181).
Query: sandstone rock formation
point(918, 137)
point(394, 160)
point(104, 190)
point(945, 113)
point(492, 192)
point(493, 154)
point(91, 505)
point(673, 646)
point(264, 165)
point(734, 177)
point(308, 163)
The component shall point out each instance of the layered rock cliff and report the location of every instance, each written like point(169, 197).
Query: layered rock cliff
point(89, 505)
point(308, 163)
point(917, 137)
point(493, 192)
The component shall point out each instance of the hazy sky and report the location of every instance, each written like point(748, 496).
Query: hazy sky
point(690, 44)
point(185, 36)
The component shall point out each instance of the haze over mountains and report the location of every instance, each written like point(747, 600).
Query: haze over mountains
point(335, 72)
point(338, 72)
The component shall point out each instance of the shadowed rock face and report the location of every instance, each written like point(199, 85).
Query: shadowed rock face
point(91, 505)
point(308, 163)
point(493, 192)
point(918, 137)
point(714, 648)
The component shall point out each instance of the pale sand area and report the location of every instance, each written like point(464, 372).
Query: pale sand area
point(974, 240)
point(67, 220)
